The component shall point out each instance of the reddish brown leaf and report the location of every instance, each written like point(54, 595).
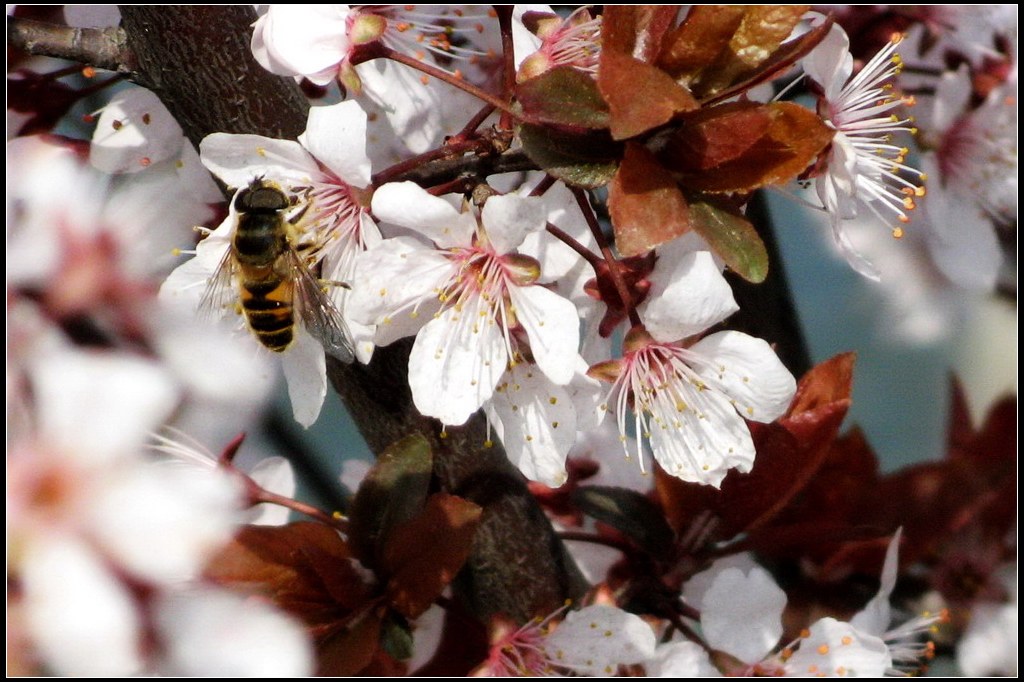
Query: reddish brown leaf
point(304, 567)
point(758, 36)
point(741, 147)
point(636, 30)
point(639, 96)
point(646, 205)
point(565, 97)
point(827, 382)
point(424, 554)
point(696, 43)
point(393, 492)
point(733, 238)
point(784, 58)
point(349, 651)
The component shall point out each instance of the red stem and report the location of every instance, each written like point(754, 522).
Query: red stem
point(447, 151)
point(446, 77)
point(508, 86)
point(259, 495)
point(609, 257)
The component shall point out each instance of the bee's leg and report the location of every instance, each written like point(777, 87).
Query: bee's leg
point(334, 283)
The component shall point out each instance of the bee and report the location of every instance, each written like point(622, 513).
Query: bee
point(268, 263)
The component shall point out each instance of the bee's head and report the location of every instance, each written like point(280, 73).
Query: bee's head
point(261, 196)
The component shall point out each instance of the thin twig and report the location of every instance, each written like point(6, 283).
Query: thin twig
point(103, 48)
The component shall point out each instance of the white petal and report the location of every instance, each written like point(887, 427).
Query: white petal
point(237, 159)
point(875, 617)
point(306, 40)
point(98, 407)
point(276, 475)
point(749, 372)
point(686, 297)
point(134, 131)
point(597, 639)
point(81, 619)
point(681, 659)
point(163, 521)
point(742, 613)
point(336, 136)
point(305, 369)
point(210, 632)
point(409, 205)
point(704, 440)
point(989, 646)
point(962, 240)
point(553, 327)
point(536, 423)
point(509, 218)
point(395, 286)
point(557, 259)
point(838, 649)
point(457, 360)
point(952, 95)
point(698, 585)
point(830, 62)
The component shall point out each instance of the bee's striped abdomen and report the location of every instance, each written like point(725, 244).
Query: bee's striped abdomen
point(268, 308)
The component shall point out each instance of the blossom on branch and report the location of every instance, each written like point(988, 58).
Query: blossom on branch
point(863, 169)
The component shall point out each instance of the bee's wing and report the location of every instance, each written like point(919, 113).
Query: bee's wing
point(221, 293)
point(319, 315)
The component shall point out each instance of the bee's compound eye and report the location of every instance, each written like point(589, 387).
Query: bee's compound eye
point(242, 200)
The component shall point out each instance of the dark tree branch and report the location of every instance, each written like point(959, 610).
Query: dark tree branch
point(197, 60)
point(767, 310)
point(103, 48)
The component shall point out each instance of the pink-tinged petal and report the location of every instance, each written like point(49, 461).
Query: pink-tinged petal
point(681, 659)
point(597, 639)
point(535, 421)
point(237, 159)
point(837, 649)
point(830, 62)
point(989, 646)
point(742, 613)
point(336, 136)
point(210, 632)
point(91, 16)
point(395, 284)
point(80, 618)
point(276, 475)
point(302, 40)
point(749, 372)
point(687, 298)
point(875, 617)
point(553, 328)
point(409, 205)
point(82, 395)
point(509, 218)
point(163, 521)
point(457, 360)
point(134, 131)
point(305, 369)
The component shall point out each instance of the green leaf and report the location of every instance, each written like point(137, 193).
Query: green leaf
point(565, 97)
point(640, 96)
point(393, 492)
point(587, 161)
point(424, 554)
point(646, 205)
point(630, 513)
point(733, 238)
point(396, 638)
